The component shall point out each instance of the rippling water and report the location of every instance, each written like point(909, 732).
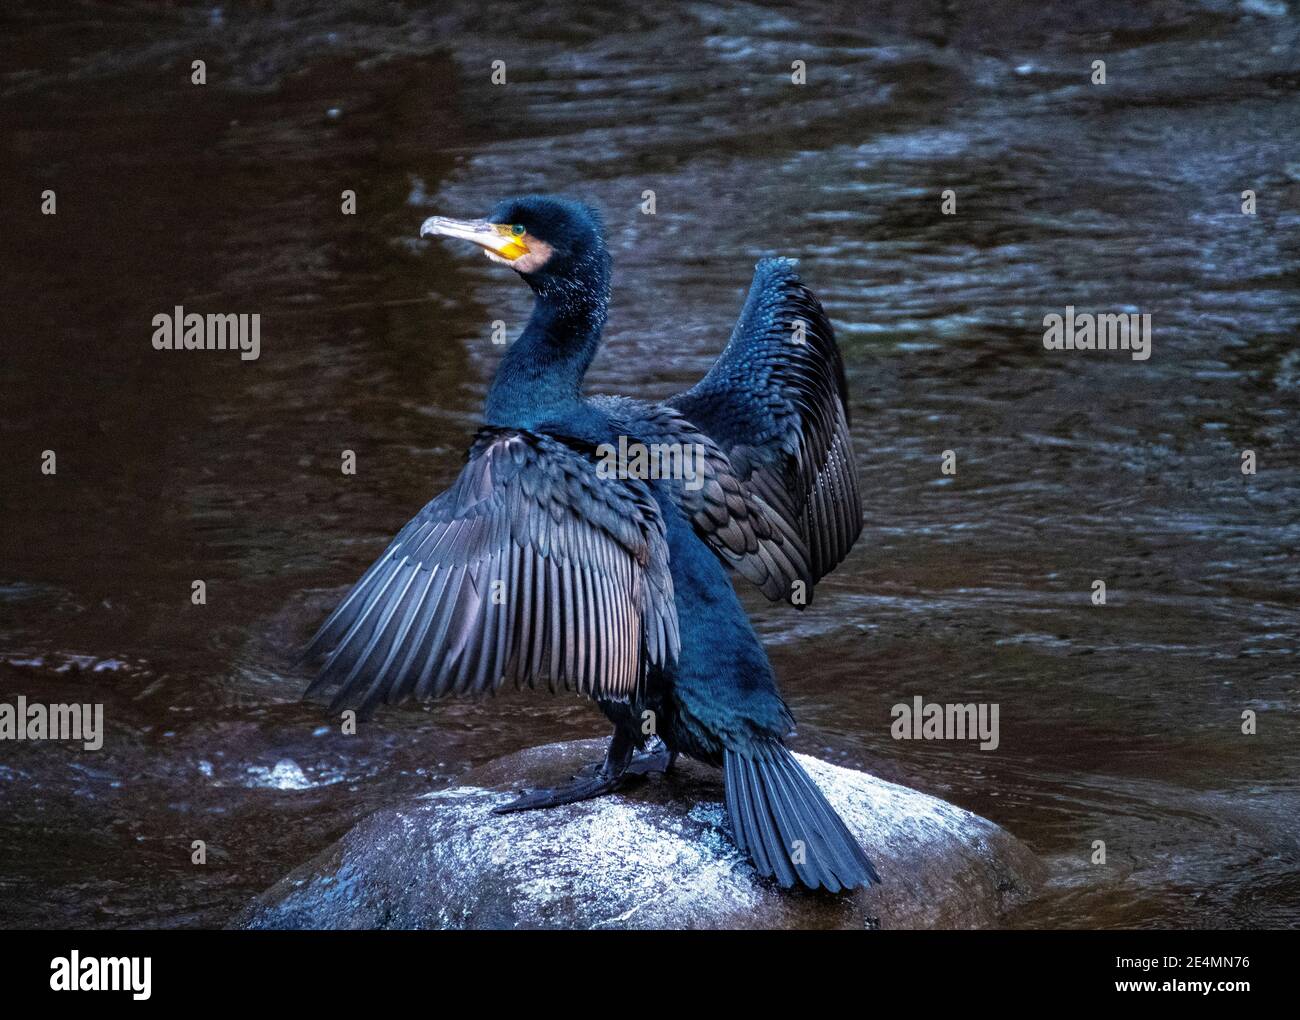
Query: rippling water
point(1120, 723)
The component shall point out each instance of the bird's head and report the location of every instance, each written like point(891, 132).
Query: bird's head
point(546, 240)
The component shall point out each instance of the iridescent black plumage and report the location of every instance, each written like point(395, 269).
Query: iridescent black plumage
point(537, 566)
point(777, 403)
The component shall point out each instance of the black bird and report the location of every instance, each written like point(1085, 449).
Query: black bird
point(550, 560)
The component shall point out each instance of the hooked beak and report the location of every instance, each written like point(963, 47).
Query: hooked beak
point(494, 238)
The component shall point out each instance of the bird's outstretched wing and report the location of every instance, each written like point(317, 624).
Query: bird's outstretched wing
point(530, 567)
point(742, 530)
point(777, 404)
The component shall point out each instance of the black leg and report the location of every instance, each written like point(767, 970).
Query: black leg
point(656, 757)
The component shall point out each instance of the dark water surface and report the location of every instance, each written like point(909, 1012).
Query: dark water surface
point(1119, 723)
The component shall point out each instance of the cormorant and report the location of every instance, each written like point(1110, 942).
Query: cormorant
point(538, 565)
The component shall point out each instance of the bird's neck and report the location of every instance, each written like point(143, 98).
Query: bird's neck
point(540, 376)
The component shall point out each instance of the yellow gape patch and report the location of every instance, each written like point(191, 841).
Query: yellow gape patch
point(533, 254)
point(515, 244)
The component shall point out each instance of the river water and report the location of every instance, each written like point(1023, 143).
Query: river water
point(1120, 723)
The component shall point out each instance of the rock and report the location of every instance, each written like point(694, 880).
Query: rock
point(658, 855)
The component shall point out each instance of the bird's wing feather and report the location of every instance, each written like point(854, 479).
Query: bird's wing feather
point(737, 524)
point(776, 402)
point(530, 567)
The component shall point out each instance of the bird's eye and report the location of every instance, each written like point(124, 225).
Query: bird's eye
point(517, 230)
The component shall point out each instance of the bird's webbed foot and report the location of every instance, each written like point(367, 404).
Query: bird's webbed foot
point(592, 781)
point(581, 789)
point(653, 757)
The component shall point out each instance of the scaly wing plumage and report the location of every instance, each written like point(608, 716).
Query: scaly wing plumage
point(742, 530)
point(776, 402)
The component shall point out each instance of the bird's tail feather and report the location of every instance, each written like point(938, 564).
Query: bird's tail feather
point(782, 820)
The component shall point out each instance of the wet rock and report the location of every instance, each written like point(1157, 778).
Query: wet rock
point(658, 855)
